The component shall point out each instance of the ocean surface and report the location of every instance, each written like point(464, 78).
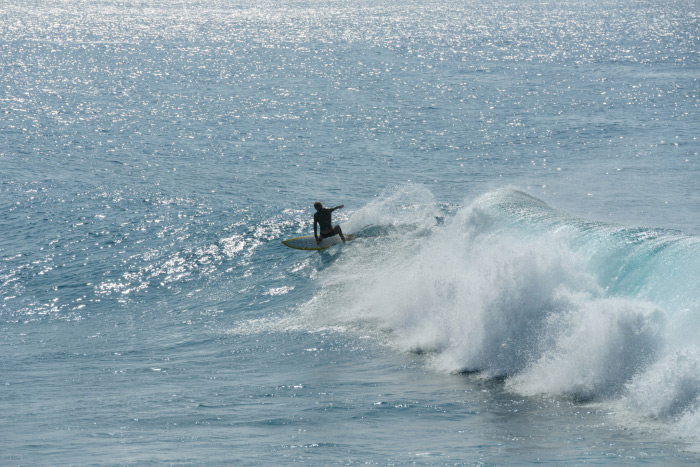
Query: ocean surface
point(523, 178)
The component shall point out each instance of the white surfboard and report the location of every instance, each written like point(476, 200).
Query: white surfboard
point(308, 242)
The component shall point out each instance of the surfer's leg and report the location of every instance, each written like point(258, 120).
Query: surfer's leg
point(339, 232)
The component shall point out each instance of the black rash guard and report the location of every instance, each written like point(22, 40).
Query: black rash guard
point(323, 217)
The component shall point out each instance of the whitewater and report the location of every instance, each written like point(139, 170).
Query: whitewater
point(522, 179)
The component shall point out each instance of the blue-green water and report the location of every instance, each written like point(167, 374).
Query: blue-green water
point(522, 177)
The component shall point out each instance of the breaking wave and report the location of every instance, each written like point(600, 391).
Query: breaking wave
point(507, 287)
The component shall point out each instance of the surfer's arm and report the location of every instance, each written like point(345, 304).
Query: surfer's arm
point(338, 207)
point(316, 234)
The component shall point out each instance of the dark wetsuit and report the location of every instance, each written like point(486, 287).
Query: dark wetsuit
point(323, 217)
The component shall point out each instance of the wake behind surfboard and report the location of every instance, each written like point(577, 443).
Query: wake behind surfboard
point(308, 242)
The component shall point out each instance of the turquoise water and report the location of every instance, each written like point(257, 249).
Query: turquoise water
point(522, 178)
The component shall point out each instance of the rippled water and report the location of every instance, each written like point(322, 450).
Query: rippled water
point(523, 177)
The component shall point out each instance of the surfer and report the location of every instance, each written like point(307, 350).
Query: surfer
point(322, 217)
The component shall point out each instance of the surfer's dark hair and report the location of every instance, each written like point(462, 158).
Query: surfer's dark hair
point(318, 205)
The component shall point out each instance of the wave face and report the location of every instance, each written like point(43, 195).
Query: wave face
point(508, 287)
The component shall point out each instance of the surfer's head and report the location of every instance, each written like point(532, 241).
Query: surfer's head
point(318, 205)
